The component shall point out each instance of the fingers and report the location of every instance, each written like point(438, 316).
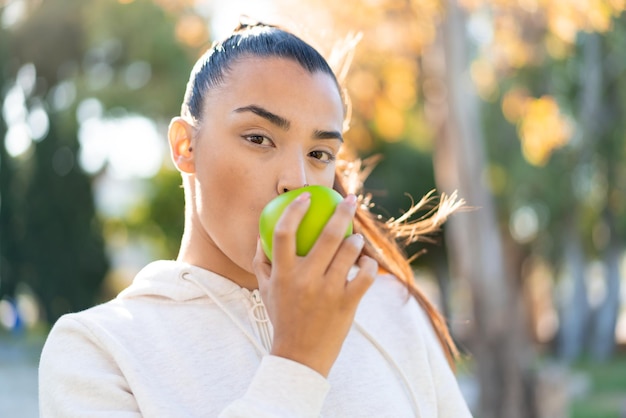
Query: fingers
point(262, 270)
point(260, 263)
point(346, 257)
point(284, 240)
point(368, 268)
point(333, 234)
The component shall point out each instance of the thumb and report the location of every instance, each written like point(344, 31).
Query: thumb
point(261, 265)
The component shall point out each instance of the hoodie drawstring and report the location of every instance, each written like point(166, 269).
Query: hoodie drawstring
point(262, 351)
point(259, 314)
point(394, 366)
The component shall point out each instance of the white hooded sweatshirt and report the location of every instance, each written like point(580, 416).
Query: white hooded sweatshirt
point(185, 342)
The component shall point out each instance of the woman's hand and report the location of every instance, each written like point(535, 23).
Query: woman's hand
point(309, 300)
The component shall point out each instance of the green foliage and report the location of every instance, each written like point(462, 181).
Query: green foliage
point(50, 235)
point(51, 240)
point(141, 31)
point(160, 218)
point(582, 178)
point(63, 256)
point(8, 230)
point(608, 385)
point(401, 178)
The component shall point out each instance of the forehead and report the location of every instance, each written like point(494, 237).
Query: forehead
point(280, 84)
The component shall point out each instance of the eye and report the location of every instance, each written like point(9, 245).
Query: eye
point(258, 140)
point(322, 156)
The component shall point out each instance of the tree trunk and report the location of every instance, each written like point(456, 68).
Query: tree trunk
point(500, 344)
point(603, 341)
point(442, 275)
point(603, 327)
point(575, 310)
point(574, 306)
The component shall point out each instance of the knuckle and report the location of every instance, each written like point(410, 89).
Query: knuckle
point(369, 266)
point(344, 208)
point(370, 278)
point(282, 231)
point(333, 233)
point(307, 291)
point(330, 294)
point(373, 268)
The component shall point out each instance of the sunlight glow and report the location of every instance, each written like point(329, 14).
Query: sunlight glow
point(27, 78)
point(38, 123)
point(8, 314)
point(137, 74)
point(62, 95)
point(14, 11)
point(225, 15)
point(17, 140)
point(131, 146)
point(524, 224)
point(14, 106)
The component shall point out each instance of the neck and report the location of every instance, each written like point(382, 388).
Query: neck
point(200, 250)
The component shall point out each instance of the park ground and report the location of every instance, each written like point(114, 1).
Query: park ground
point(19, 356)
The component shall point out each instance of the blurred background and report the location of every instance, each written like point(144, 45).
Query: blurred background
point(519, 105)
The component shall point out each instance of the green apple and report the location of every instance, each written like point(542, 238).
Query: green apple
point(324, 200)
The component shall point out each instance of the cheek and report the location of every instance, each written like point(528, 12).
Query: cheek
point(227, 188)
point(324, 178)
point(230, 197)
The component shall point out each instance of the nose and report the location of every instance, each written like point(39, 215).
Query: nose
point(292, 175)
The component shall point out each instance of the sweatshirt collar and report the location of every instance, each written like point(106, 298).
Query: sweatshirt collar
point(164, 278)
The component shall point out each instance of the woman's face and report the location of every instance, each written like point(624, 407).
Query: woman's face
point(271, 126)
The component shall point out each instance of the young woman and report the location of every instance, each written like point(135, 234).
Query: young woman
point(221, 331)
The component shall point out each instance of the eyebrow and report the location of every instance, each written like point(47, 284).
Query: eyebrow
point(266, 114)
point(283, 123)
point(328, 135)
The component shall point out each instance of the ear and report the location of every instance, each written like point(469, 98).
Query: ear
point(179, 135)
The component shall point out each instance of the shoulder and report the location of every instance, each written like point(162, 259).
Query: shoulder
point(113, 310)
point(390, 312)
point(83, 328)
point(389, 308)
point(78, 369)
point(72, 343)
point(391, 297)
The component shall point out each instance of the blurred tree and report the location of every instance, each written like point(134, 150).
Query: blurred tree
point(51, 240)
point(63, 255)
point(165, 51)
point(499, 341)
point(610, 149)
point(51, 237)
point(159, 218)
point(565, 55)
point(8, 225)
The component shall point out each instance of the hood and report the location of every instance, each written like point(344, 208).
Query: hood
point(166, 279)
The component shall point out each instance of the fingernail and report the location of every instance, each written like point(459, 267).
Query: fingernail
point(303, 197)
